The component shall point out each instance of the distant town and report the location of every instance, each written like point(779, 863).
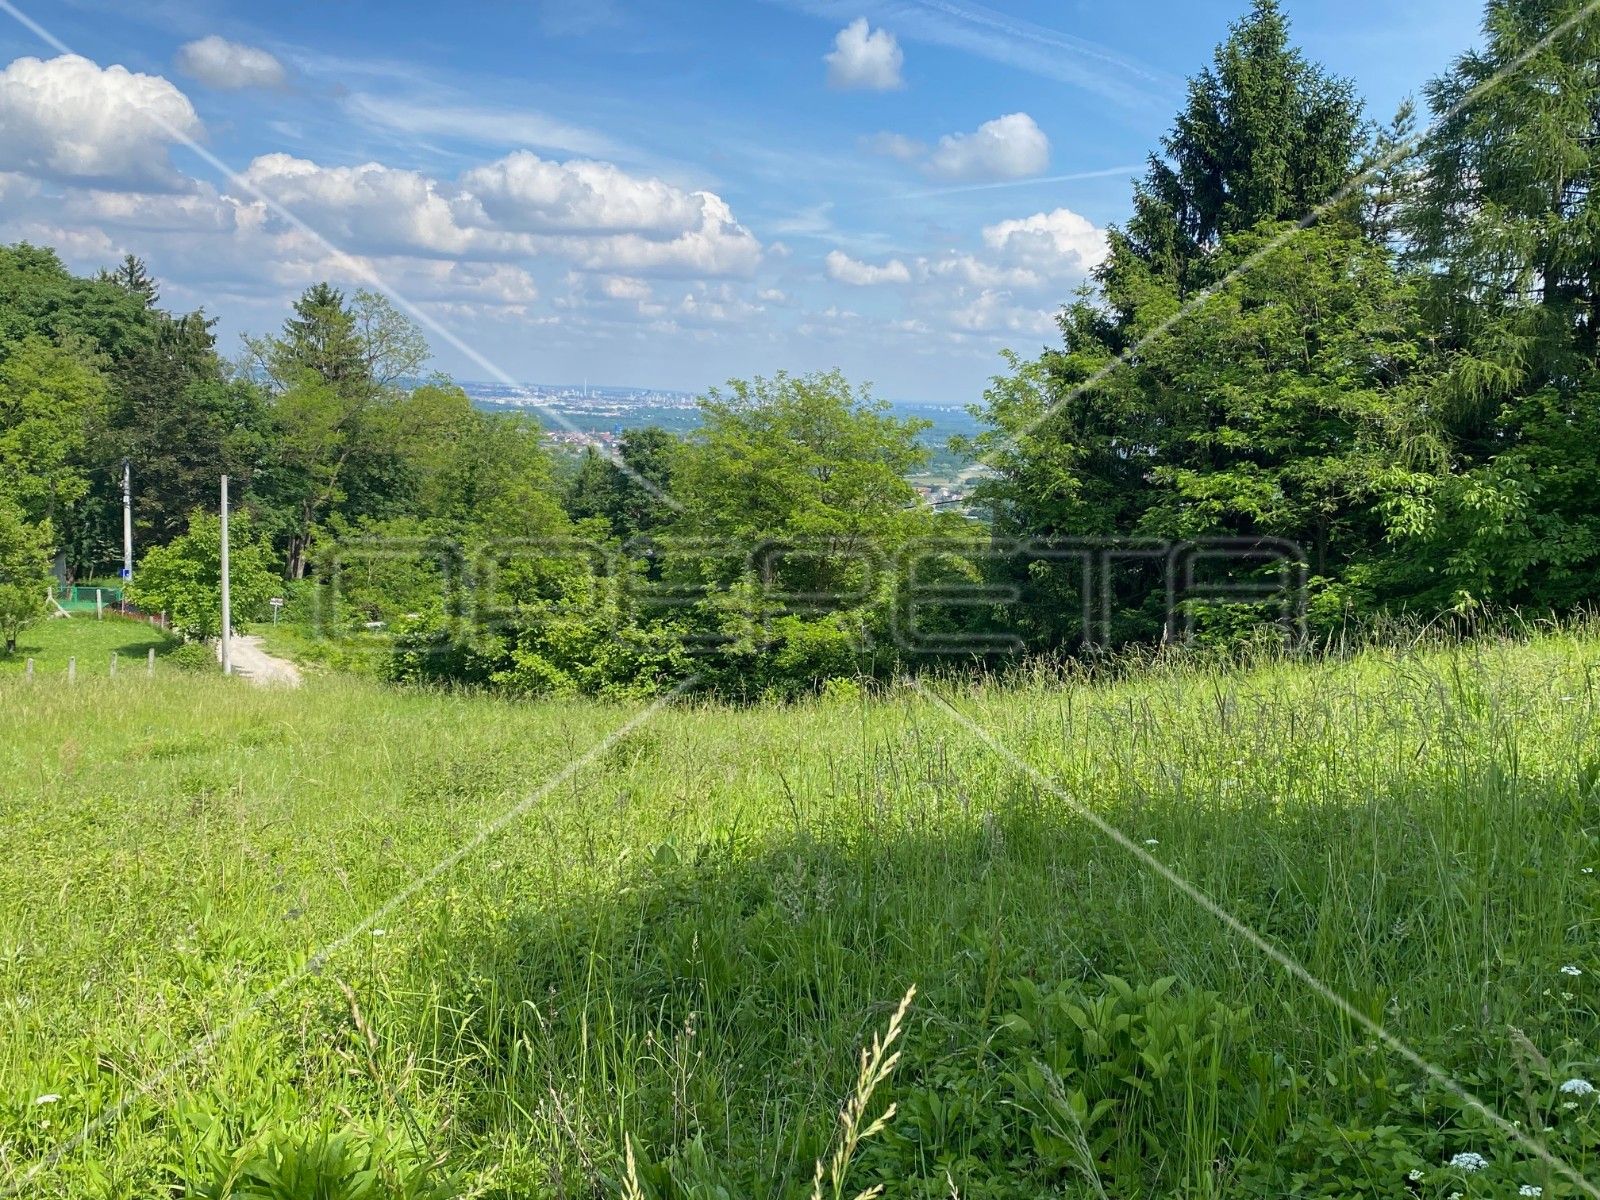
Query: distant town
point(578, 416)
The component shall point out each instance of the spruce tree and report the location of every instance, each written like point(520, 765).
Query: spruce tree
point(1265, 136)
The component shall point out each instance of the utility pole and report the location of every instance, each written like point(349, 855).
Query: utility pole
point(227, 608)
point(127, 523)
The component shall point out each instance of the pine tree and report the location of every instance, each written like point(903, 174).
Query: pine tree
point(1265, 136)
point(321, 338)
point(133, 277)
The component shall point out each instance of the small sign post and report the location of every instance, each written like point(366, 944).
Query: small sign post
point(277, 607)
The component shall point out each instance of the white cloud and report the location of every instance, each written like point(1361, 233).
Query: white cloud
point(624, 287)
point(69, 120)
point(1009, 147)
point(976, 272)
point(519, 207)
point(523, 191)
point(219, 63)
point(994, 312)
point(894, 145)
point(1055, 242)
point(865, 58)
point(718, 245)
point(364, 208)
point(844, 269)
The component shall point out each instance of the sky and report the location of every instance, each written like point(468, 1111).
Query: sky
point(643, 193)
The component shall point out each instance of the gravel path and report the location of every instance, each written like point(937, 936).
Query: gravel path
point(252, 662)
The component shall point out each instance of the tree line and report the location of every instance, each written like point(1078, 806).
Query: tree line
point(1403, 389)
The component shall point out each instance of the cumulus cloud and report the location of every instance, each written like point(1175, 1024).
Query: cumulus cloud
point(524, 191)
point(844, 269)
point(1009, 147)
point(993, 311)
point(593, 214)
point(866, 58)
point(369, 207)
point(716, 245)
point(1059, 241)
point(68, 120)
point(624, 287)
point(229, 66)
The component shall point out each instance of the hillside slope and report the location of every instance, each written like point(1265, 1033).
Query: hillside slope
point(475, 946)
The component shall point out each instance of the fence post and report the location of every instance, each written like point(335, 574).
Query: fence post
point(30, 670)
point(113, 670)
point(150, 663)
point(99, 605)
point(72, 670)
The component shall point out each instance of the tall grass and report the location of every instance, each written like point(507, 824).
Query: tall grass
point(681, 952)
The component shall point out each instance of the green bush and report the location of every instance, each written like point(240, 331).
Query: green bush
point(193, 656)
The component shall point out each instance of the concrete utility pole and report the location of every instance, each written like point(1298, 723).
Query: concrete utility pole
point(227, 607)
point(127, 522)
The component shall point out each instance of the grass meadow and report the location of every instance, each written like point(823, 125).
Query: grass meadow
point(351, 941)
point(91, 642)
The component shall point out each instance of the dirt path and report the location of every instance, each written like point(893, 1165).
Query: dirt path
point(252, 662)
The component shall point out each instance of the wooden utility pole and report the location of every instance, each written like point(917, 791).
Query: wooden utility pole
point(227, 607)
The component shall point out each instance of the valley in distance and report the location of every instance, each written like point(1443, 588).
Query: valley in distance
point(576, 416)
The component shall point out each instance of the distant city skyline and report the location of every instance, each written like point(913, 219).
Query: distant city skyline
point(661, 196)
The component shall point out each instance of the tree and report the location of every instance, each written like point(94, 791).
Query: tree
point(133, 277)
point(1508, 212)
point(40, 297)
point(184, 579)
point(1265, 136)
point(49, 402)
point(393, 349)
point(592, 489)
point(1506, 223)
point(806, 458)
point(334, 372)
point(25, 576)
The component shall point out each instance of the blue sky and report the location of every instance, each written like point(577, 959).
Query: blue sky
point(632, 192)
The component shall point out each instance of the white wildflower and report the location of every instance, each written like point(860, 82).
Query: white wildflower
point(1569, 969)
point(1577, 1087)
point(1468, 1160)
point(1529, 1189)
point(1588, 870)
point(379, 932)
point(47, 1098)
point(1416, 1175)
point(1151, 842)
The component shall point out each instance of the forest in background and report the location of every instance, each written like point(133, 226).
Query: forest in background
point(1404, 388)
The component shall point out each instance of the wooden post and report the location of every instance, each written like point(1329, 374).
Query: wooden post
point(99, 605)
point(113, 670)
point(150, 663)
point(72, 670)
point(30, 670)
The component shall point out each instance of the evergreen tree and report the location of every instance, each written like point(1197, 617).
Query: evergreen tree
point(1508, 225)
point(1265, 136)
point(133, 277)
point(1508, 216)
point(1272, 436)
